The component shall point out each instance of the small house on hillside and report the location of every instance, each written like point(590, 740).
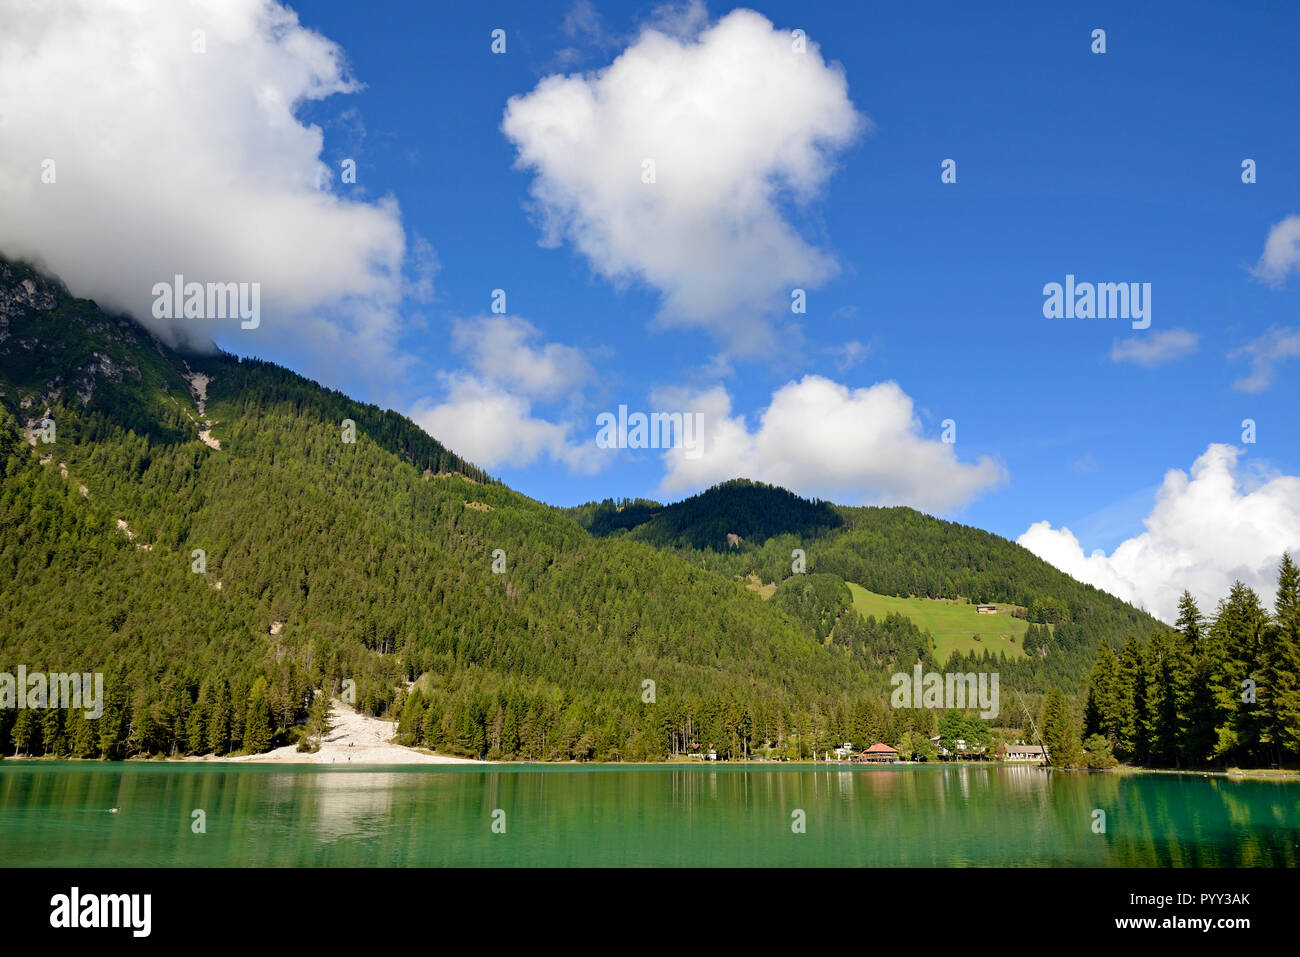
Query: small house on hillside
point(1027, 753)
point(986, 609)
point(878, 754)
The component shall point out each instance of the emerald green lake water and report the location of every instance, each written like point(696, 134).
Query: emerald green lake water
point(56, 814)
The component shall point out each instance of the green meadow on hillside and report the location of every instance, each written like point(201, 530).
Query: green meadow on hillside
point(952, 626)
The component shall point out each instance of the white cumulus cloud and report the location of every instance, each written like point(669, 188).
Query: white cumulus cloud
point(736, 123)
point(821, 438)
point(493, 427)
point(506, 349)
point(1207, 529)
point(486, 413)
point(1281, 255)
point(170, 161)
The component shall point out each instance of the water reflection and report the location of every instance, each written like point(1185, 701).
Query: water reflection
point(845, 780)
point(350, 804)
point(951, 815)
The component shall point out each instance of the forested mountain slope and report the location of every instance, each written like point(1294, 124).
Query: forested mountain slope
point(892, 551)
point(218, 564)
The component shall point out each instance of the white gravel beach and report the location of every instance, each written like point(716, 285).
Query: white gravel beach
point(353, 739)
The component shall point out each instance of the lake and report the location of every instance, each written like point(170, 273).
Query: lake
point(57, 814)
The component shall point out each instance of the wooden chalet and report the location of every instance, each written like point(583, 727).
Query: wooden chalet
point(878, 754)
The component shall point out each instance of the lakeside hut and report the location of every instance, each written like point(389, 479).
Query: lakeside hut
point(878, 754)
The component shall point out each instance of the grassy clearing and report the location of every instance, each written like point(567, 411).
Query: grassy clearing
point(952, 626)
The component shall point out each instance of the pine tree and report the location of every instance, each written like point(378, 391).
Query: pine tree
point(431, 726)
point(1103, 714)
point(258, 730)
point(1201, 732)
point(219, 720)
point(195, 723)
point(1131, 696)
point(52, 740)
point(1060, 731)
point(510, 732)
point(1190, 622)
point(25, 732)
point(82, 740)
point(1234, 647)
point(1168, 684)
point(1281, 684)
point(412, 716)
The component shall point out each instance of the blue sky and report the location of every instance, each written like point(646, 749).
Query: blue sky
point(1115, 167)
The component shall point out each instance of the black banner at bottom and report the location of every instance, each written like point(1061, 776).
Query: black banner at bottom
point(392, 905)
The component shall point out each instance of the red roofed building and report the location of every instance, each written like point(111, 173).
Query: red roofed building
point(879, 754)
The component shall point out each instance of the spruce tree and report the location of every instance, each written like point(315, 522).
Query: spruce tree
point(1131, 697)
point(1060, 731)
point(258, 730)
point(1103, 714)
point(1281, 684)
point(1234, 647)
point(1168, 685)
point(1202, 708)
point(219, 721)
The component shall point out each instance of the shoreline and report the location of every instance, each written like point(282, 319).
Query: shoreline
point(359, 740)
point(395, 755)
